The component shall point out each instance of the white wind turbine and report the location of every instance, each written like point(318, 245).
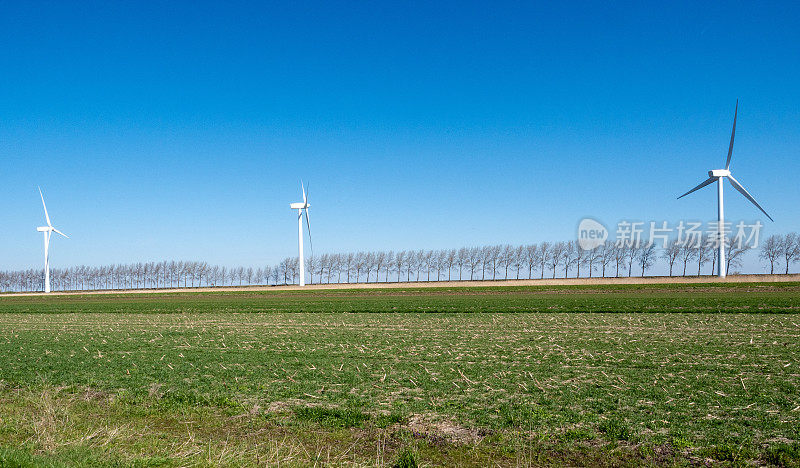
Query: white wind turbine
point(47, 231)
point(301, 208)
point(717, 175)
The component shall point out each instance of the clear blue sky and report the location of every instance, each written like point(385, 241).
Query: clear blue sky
point(176, 130)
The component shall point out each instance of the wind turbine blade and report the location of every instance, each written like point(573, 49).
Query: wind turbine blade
point(56, 230)
point(742, 190)
point(308, 224)
point(45, 208)
point(304, 191)
point(733, 133)
point(710, 180)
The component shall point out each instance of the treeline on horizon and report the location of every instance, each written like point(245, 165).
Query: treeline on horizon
point(546, 259)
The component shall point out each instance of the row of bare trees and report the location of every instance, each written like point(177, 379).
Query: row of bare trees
point(546, 259)
point(168, 274)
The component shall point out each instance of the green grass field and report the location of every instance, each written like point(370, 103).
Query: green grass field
point(601, 375)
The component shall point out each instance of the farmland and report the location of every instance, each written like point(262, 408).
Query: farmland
point(595, 375)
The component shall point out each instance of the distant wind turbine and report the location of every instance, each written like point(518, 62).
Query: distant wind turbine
point(717, 175)
point(47, 231)
point(301, 208)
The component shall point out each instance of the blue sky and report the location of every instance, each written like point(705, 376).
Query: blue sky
point(181, 130)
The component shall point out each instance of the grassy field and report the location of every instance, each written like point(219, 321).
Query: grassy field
point(454, 377)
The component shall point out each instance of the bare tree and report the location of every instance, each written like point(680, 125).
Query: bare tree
point(620, 254)
point(545, 254)
point(556, 256)
point(590, 258)
point(505, 258)
point(389, 264)
point(687, 252)
point(337, 265)
point(703, 253)
point(462, 259)
point(771, 251)
point(532, 254)
point(285, 269)
point(632, 254)
point(295, 269)
point(369, 264)
point(568, 256)
point(347, 264)
point(311, 265)
point(671, 254)
point(518, 261)
point(223, 273)
point(320, 267)
point(427, 260)
point(400, 263)
point(323, 264)
point(276, 274)
point(439, 261)
point(419, 263)
point(606, 255)
point(486, 253)
point(249, 275)
point(412, 264)
point(647, 256)
point(790, 249)
point(267, 274)
point(474, 259)
point(736, 249)
point(202, 271)
point(449, 261)
point(358, 264)
point(240, 273)
point(378, 260)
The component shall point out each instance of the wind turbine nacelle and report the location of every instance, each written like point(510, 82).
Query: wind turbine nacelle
point(298, 206)
point(719, 173)
point(43, 228)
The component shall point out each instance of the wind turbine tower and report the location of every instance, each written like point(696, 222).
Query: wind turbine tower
point(47, 231)
point(302, 208)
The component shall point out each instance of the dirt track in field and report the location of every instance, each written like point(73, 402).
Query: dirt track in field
point(452, 284)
